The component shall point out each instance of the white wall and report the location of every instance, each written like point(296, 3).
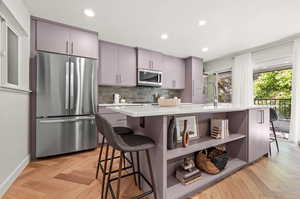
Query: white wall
point(14, 111)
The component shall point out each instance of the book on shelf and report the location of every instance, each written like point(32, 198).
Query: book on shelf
point(188, 176)
point(219, 128)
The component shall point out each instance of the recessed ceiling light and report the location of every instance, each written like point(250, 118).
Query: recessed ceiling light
point(164, 36)
point(202, 23)
point(204, 49)
point(89, 12)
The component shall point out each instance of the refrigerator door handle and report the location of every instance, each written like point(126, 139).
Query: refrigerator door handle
point(85, 118)
point(67, 86)
point(72, 86)
point(75, 119)
point(57, 120)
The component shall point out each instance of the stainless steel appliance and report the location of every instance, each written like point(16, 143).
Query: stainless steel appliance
point(149, 78)
point(65, 104)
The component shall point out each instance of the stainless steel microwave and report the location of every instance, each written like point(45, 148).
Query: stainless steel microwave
point(149, 78)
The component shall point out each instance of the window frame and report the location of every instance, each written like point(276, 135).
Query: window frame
point(4, 55)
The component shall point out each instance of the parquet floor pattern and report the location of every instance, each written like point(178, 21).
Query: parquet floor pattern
point(73, 177)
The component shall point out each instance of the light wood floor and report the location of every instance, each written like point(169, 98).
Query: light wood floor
point(73, 177)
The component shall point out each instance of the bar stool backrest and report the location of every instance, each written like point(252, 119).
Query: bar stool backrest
point(105, 128)
point(273, 115)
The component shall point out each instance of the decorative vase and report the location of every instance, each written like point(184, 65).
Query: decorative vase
point(172, 136)
point(185, 135)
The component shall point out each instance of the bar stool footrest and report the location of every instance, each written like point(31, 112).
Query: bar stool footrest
point(127, 175)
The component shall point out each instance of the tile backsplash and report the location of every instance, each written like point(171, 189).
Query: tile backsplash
point(134, 94)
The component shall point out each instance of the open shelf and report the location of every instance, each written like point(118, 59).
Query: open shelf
point(200, 144)
point(177, 190)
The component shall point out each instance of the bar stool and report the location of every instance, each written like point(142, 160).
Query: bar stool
point(119, 131)
point(126, 143)
point(273, 117)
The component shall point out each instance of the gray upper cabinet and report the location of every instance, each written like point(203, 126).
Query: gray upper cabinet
point(57, 38)
point(148, 59)
point(117, 65)
point(258, 140)
point(84, 43)
point(193, 92)
point(127, 65)
point(173, 73)
point(108, 64)
point(52, 38)
point(197, 81)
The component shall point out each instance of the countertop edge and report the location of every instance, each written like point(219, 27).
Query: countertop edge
point(182, 112)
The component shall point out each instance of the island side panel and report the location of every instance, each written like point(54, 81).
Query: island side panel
point(238, 123)
point(156, 128)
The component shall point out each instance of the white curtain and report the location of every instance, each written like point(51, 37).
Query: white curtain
point(242, 80)
point(295, 118)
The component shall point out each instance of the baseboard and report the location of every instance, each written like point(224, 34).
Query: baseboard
point(4, 186)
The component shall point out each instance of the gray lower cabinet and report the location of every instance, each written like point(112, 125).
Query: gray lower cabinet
point(117, 65)
point(173, 73)
point(62, 39)
point(259, 129)
point(148, 59)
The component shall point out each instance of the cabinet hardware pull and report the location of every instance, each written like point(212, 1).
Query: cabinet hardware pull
point(72, 48)
point(262, 115)
point(193, 88)
point(67, 47)
point(67, 85)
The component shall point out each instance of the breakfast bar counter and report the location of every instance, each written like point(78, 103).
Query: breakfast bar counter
point(248, 141)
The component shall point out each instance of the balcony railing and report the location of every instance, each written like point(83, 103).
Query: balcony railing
point(282, 106)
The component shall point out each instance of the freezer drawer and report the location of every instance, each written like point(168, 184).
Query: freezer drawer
point(64, 135)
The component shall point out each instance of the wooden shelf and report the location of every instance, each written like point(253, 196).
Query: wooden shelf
point(177, 190)
point(200, 144)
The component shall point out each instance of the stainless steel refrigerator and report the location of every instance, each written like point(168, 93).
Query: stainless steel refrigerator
point(65, 104)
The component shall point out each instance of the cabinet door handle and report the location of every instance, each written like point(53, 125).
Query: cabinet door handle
point(72, 48)
point(117, 80)
point(262, 117)
point(67, 47)
point(120, 78)
point(193, 88)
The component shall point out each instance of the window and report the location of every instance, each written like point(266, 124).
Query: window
point(10, 56)
point(218, 85)
point(224, 87)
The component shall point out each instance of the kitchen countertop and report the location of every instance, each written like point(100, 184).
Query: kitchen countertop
point(132, 104)
point(120, 104)
point(155, 110)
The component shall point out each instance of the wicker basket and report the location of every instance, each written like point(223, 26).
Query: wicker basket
point(168, 102)
point(212, 161)
point(205, 164)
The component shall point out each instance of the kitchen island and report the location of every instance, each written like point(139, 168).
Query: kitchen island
point(247, 142)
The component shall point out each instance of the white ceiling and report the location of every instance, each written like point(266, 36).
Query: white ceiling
point(233, 25)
